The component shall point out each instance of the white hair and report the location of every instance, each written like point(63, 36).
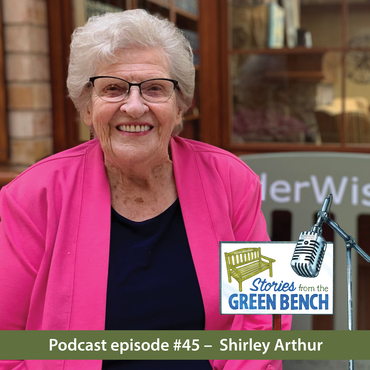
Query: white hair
point(99, 40)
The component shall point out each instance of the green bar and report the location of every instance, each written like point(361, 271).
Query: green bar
point(145, 345)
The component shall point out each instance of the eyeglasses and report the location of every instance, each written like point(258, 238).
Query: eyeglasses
point(114, 89)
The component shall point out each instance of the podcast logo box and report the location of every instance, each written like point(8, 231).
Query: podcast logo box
point(257, 278)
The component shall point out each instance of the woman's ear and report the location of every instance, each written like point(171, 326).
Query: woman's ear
point(179, 115)
point(87, 115)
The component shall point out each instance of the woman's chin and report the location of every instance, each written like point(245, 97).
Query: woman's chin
point(132, 154)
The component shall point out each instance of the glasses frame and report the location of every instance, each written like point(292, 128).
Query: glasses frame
point(130, 84)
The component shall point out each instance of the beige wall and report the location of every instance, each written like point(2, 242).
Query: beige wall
point(28, 80)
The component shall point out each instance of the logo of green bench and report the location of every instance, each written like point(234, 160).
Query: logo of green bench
point(245, 263)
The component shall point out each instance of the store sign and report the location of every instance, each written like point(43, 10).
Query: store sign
point(257, 278)
point(285, 191)
point(301, 179)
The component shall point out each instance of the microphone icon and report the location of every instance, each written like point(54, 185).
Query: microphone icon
point(308, 254)
point(311, 246)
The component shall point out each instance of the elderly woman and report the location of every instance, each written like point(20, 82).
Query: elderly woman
point(123, 232)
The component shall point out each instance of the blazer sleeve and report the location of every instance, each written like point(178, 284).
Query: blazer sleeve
point(20, 256)
point(21, 250)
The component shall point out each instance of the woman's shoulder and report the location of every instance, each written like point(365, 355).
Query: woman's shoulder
point(211, 156)
point(57, 167)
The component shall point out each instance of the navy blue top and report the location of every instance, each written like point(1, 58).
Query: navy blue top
point(152, 283)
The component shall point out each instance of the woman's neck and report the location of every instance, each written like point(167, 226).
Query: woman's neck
point(139, 193)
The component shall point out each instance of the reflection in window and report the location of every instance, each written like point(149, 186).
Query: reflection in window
point(273, 101)
point(356, 120)
point(300, 92)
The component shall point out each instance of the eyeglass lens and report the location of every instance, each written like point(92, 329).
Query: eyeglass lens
point(113, 89)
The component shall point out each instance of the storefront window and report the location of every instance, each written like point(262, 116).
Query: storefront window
point(299, 72)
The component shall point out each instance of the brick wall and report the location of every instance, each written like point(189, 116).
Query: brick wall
point(28, 80)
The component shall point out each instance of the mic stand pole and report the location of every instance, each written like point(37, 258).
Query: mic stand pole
point(350, 243)
point(276, 322)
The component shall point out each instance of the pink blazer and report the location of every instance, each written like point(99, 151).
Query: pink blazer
point(54, 241)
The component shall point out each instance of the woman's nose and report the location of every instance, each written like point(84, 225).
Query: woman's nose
point(134, 105)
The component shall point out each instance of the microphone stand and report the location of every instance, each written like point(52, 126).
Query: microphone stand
point(350, 244)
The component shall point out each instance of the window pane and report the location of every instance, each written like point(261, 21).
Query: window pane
point(316, 23)
point(285, 97)
point(284, 79)
point(329, 108)
point(153, 8)
point(323, 19)
point(357, 64)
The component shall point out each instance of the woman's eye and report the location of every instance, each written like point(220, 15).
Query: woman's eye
point(154, 89)
point(114, 89)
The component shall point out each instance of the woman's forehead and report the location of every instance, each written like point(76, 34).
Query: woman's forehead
point(136, 63)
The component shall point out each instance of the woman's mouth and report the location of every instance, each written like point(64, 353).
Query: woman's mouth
point(134, 128)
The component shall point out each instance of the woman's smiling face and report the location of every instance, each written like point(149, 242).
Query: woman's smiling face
point(134, 130)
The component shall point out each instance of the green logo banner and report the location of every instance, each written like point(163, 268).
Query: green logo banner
point(187, 345)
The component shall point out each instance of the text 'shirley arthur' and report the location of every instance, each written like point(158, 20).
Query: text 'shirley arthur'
point(256, 346)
